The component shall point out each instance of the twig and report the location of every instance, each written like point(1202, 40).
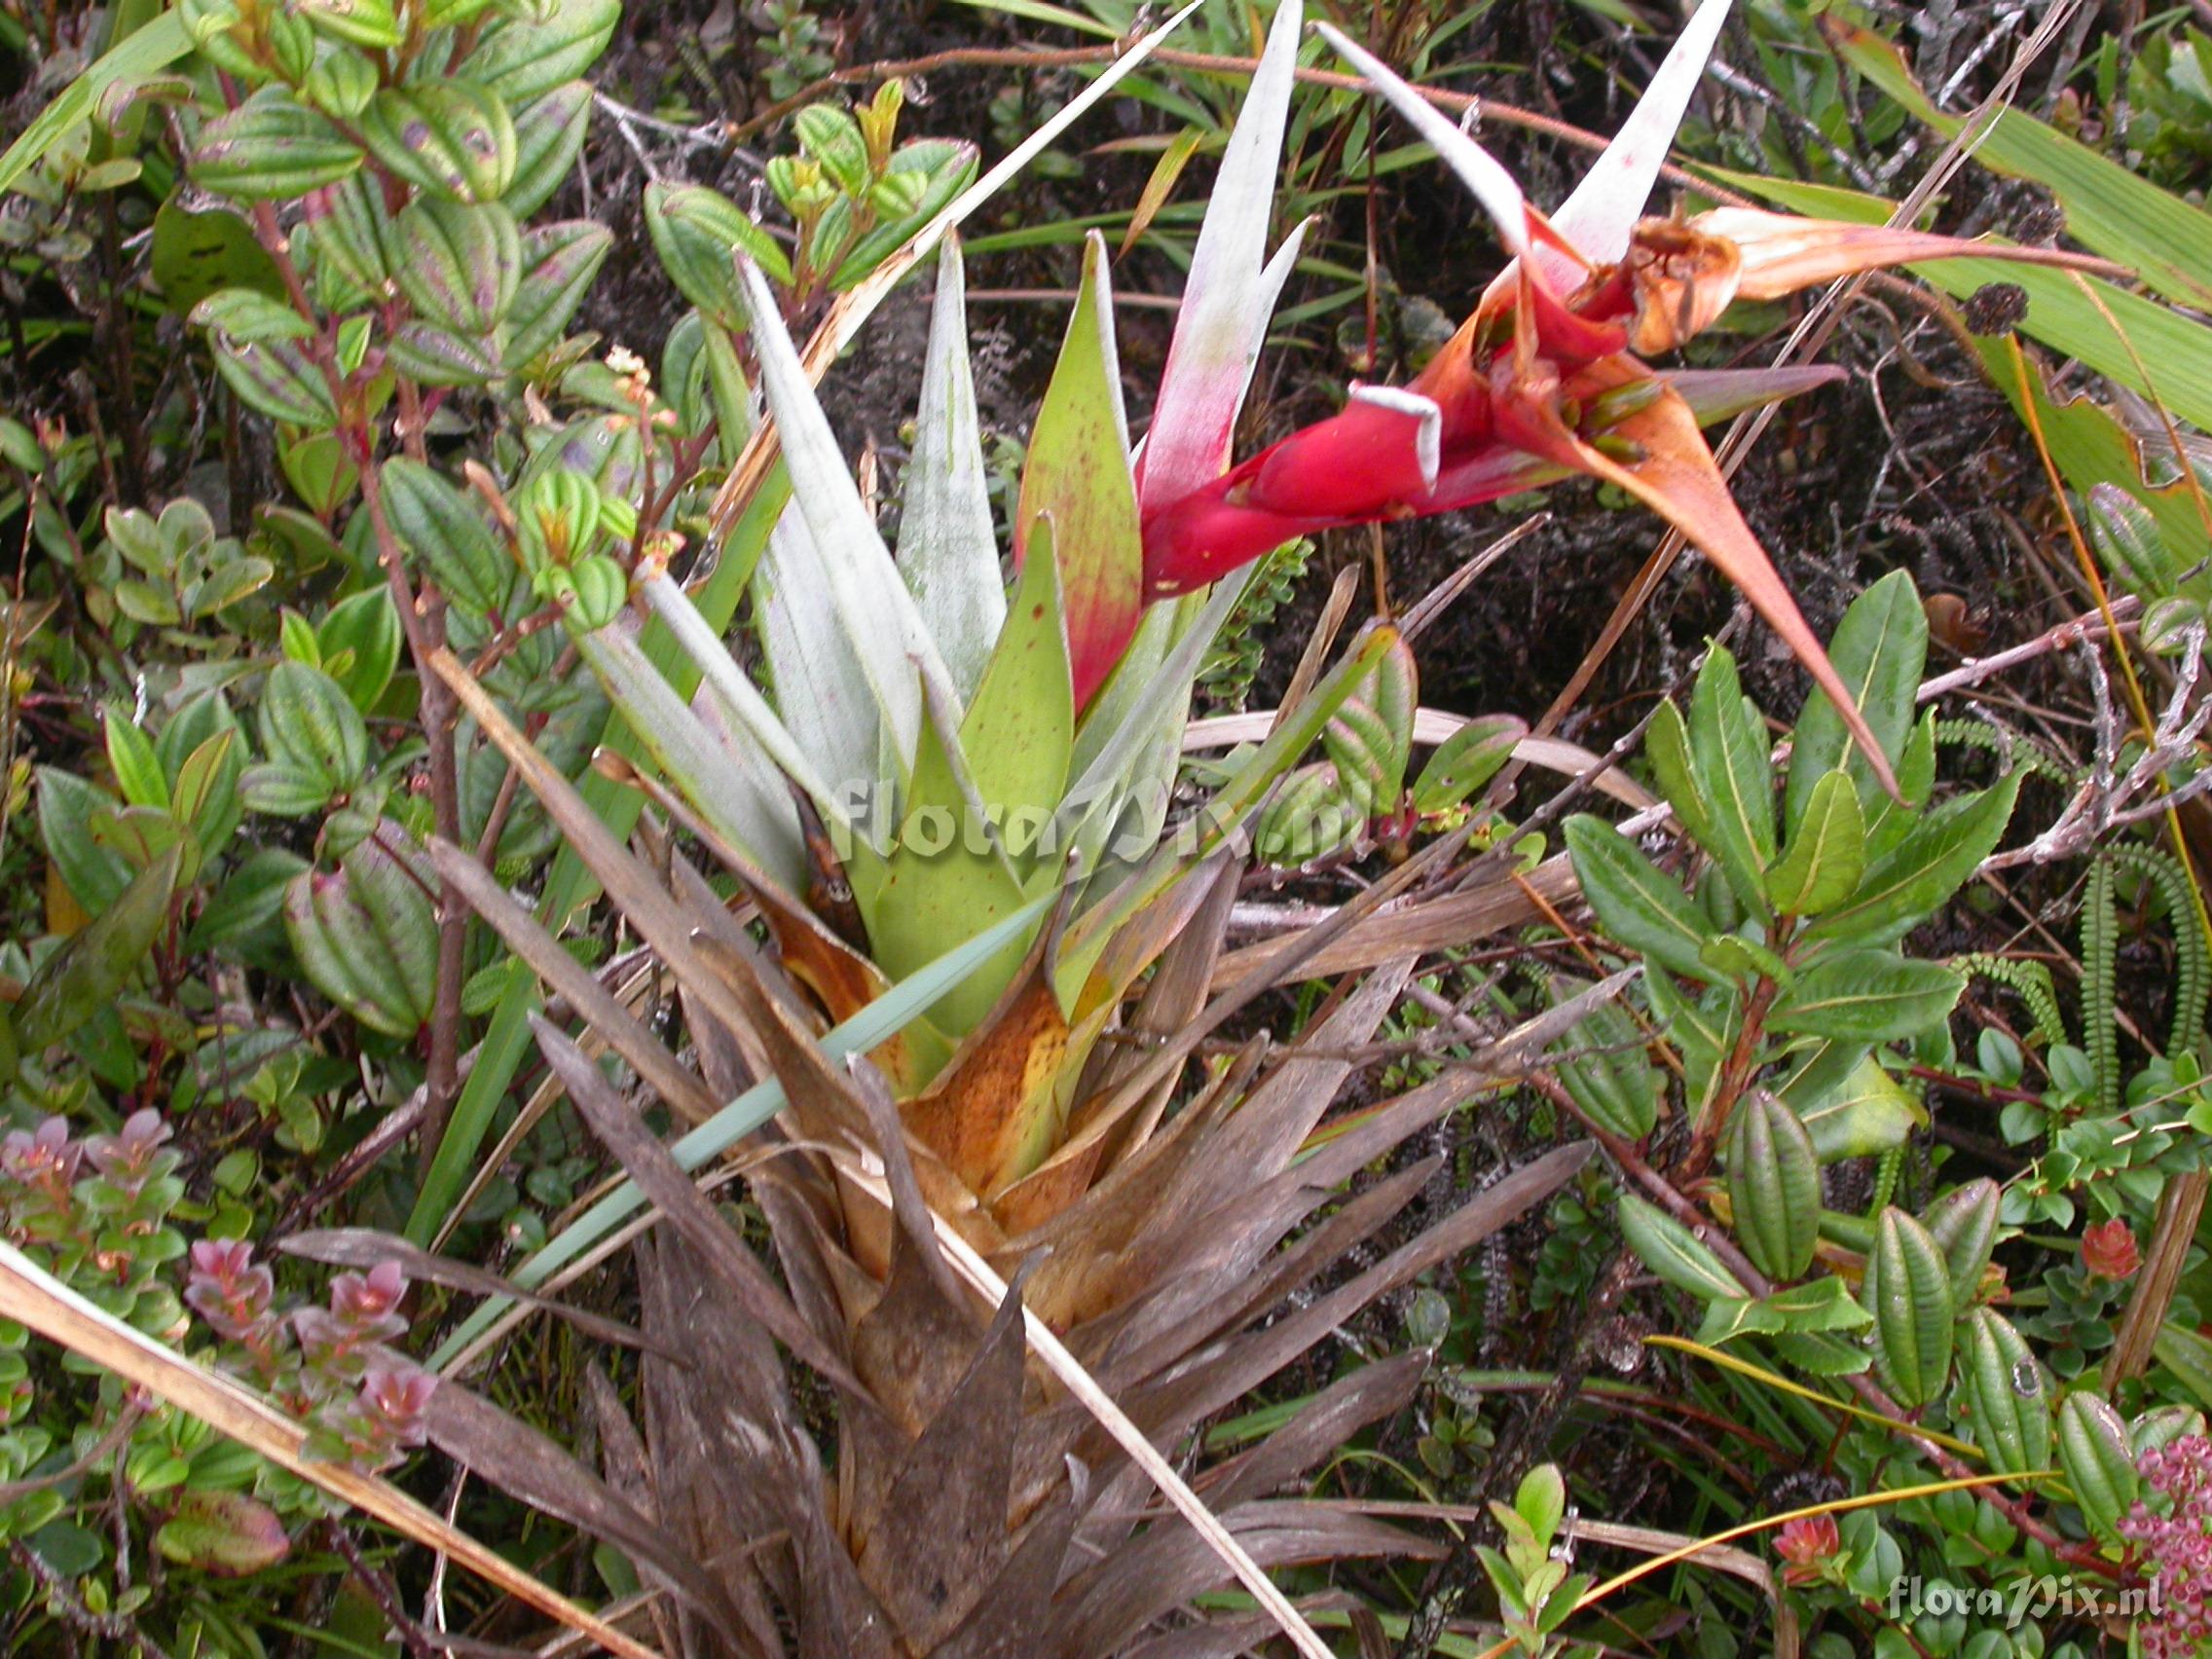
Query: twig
point(1976, 670)
point(62, 1598)
point(382, 1591)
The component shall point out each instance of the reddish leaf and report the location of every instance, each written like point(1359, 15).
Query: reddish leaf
point(1676, 477)
point(224, 1533)
point(1077, 474)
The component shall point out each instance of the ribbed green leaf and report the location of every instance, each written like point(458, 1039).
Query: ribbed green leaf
point(1962, 1222)
point(522, 56)
point(1603, 1067)
point(695, 231)
point(441, 527)
point(557, 264)
point(1908, 1290)
point(308, 720)
point(1880, 648)
point(2094, 1451)
point(830, 134)
point(277, 380)
point(549, 135)
point(1774, 1186)
point(458, 266)
point(1827, 854)
point(2010, 1393)
point(271, 149)
point(1637, 904)
point(451, 138)
point(130, 757)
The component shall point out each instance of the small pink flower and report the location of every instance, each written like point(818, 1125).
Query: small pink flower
point(45, 1157)
point(1807, 1545)
point(2171, 1530)
point(227, 1290)
point(395, 1394)
point(126, 1157)
point(363, 1300)
point(2109, 1251)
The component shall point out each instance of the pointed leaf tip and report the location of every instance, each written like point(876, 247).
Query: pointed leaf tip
point(1604, 209)
point(1676, 477)
point(1229, 295)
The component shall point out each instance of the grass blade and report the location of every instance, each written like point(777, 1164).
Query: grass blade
point(155, 46)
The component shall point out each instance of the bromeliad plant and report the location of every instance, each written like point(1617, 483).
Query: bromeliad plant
point(933, 756)
point(905, 760)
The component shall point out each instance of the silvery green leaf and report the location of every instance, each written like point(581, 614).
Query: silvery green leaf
point(873, 607)
point(948, 548)
point(822, 689)
point(726, 776)
point(737, 697)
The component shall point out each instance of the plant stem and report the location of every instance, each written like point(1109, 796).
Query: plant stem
point(423, 620)
point(61, 1595)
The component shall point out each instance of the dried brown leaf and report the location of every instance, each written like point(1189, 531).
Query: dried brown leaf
point(669, 1190)
point(365, 1247)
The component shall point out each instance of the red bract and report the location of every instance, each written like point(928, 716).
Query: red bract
point(1542, 381)
point(1806, 1545)
point(2109, 1250)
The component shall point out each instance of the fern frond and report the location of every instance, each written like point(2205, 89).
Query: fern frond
point(1886, 1179)
point(2013, 748)
point(2030, 981)
point(2100, 955)
point(2193, 952)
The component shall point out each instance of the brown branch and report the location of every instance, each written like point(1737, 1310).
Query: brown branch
point(422, 618)
point(62, 1600)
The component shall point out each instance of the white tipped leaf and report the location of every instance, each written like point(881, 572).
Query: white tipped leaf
point(948, 551)
point(740, 700)
point(1231, 292)
point(1604, 209)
